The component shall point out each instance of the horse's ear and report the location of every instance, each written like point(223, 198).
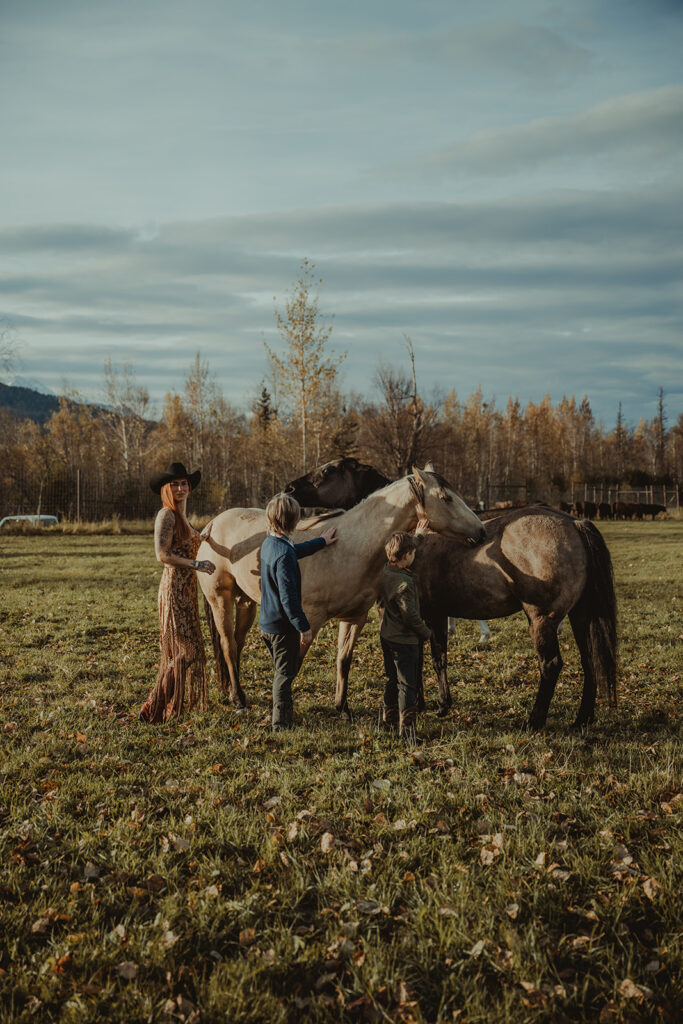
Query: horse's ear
point(418, 475)
point(429, 467)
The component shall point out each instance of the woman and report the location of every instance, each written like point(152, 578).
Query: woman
point(182, 673)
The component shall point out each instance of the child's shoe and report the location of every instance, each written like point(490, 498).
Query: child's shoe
point(407, 729)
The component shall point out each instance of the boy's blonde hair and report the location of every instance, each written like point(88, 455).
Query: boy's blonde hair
point(283, 512)
point(398, 546)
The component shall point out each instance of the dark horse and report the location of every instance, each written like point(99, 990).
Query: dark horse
point(540, 561)
point(342, 483)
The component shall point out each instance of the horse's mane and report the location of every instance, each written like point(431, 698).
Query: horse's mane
point(311, 521)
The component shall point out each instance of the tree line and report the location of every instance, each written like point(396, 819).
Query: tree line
point(89, 461)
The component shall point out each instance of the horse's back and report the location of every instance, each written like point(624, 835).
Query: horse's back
point(233, 543)
point(532, 556)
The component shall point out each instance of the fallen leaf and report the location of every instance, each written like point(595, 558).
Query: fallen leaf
point(512, 910)
point(327, 842)
point(488, 854)
point(651, 887)
point(292, 832)
point(369, 907)
point(247, 936)
point(540, 860)
point(127, 970)
point(477, 948)
point(629, 990)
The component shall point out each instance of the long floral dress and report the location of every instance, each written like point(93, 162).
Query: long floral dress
point(181, 682)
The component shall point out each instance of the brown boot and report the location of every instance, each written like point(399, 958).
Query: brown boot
point(407, 728)
point(389, 718)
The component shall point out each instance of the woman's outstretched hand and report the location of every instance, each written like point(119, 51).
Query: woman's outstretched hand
point(422, 526)
point(330, 536)
point(206, 566)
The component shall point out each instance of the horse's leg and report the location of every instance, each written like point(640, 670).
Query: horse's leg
point(543, 630)
point(484, 631)
point(244, 617)
point(221, 605)
point(439, 646)
point(349, 632)
point(452, 625)
point(586, 712)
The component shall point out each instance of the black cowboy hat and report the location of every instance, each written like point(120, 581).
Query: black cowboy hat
point(176, 471)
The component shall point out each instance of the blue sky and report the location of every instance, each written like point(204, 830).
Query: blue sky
point(500, 180)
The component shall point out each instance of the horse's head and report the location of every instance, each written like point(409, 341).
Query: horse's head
point(446, 511)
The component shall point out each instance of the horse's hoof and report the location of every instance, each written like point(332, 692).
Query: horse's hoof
point(535, 724)
point(443, 710)
point(345, 712)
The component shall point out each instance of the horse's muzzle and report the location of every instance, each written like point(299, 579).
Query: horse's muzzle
point(475, 541)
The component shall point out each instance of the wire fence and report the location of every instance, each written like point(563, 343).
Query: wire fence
point(79, 497)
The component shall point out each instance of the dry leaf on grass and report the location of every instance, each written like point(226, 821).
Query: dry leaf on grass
point(651, 887)
point(127, 970)
point(327, 842)
point(629, 990)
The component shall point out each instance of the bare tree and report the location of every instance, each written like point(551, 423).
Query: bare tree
point(125, 416)
point(305, 373)
point(8, 349)
point(398, 426)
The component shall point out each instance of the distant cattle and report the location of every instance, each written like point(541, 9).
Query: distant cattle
point(585, 509)
point(604, 510)
point(636, 510)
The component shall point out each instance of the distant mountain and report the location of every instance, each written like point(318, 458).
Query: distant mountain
point(25, 403)
point(32, 383)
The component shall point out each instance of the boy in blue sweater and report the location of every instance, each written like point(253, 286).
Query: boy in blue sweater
point(285, 629)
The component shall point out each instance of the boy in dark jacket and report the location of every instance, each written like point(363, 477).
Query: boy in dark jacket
point(285, 629)
point(402, 633)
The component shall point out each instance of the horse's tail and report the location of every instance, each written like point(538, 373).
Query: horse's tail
point(221, 664)
point(597, 606)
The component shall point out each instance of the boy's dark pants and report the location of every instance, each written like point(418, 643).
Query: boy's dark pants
point(284, 650)
point(403, 668)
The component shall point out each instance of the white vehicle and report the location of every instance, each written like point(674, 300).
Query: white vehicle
point(33, 520)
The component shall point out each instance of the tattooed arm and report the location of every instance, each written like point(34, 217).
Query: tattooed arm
point(163, 538)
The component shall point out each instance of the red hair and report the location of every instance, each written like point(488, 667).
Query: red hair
point(182, 527)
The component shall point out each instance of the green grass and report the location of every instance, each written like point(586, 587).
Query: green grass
point(494, 876)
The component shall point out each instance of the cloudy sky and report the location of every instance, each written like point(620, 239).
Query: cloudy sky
point(499, 180)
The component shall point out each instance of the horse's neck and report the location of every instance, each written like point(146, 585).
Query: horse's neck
point(385, 511)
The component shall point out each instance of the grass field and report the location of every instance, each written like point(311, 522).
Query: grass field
point(210, 871)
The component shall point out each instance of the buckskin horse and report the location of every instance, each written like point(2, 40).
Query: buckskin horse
point(341, 583)
point(343, 483)
point(543, 562)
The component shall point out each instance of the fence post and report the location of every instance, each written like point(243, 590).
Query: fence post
point(78, 495)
